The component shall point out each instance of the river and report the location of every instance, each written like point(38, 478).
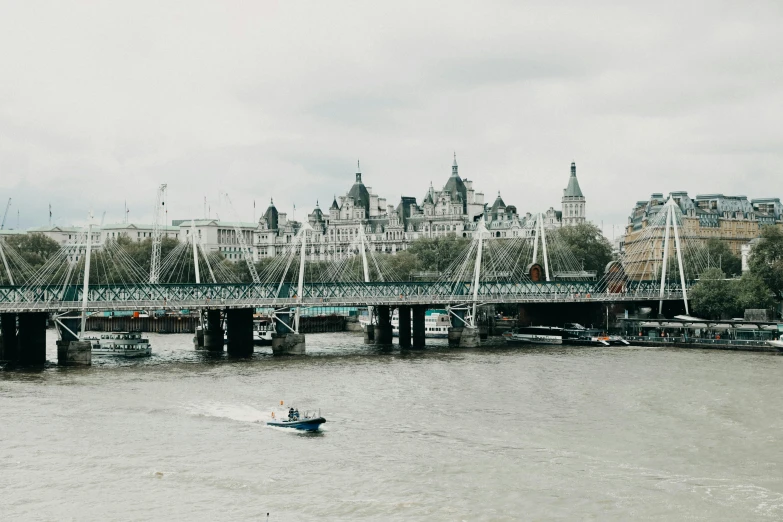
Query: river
point(485, 434)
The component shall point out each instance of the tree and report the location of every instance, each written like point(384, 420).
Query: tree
point(437, 253)
point(713, 297)
point(586, 242)
point(721, 256)
point(766, 259)
point(751, 292)
point(35, 248)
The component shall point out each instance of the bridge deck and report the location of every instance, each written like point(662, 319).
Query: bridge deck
point(200, 296)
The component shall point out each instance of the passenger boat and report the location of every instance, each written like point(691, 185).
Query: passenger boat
point(309, 421)
point(126, 344)
point(539, 335)
point(436, 324)
point(262, 332)
point(591, 336)
point(776, 344)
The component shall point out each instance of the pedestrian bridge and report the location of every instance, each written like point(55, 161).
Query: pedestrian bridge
point(59, 298)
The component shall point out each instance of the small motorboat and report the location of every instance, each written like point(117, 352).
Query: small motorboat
point(776, 344)
point(307, 422)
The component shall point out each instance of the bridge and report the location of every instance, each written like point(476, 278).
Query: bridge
point(536, 267)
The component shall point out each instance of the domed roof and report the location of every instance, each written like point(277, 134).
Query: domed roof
point(317, 214)
point(359, 193)
point(271, 215)
point(455, 187)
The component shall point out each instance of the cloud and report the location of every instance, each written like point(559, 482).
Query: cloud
point(100, 103)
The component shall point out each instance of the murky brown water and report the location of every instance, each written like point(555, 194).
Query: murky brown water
point(501, 434)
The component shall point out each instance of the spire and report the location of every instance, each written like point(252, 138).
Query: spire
point(358, 172)
point(573, 190)
point(271, 202)
point(454, 165)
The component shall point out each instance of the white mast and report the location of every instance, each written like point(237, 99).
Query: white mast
point(300, 287)
point(157, 234)
point(543, 247)
point(86, 278)
point(195, 249)
point(480, 230)
point(679, 260)
point(5, 263)
point(665, 256)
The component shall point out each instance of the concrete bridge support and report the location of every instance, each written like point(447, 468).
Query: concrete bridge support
point(383, 328)
point(470, 338)
point(419, 327)
point(32, 337)
point(239, 323)
point(213, 332)
point(457, 326)
point(74, 353)
point(9, 344)
point(286, 342)
point(404, 313)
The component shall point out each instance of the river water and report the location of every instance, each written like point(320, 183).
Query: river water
point(439, 434)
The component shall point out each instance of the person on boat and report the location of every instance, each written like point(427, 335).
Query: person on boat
point(290, 414)
point(296, 414)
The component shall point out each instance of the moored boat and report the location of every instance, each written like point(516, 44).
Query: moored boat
point(538, 335)
point(125, 344)
point(262, 332)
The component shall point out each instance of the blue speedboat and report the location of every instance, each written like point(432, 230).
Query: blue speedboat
point(307, 422)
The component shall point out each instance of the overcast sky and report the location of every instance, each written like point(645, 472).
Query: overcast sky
point(102, 101)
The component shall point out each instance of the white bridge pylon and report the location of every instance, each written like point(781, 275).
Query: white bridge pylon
point(671, 225)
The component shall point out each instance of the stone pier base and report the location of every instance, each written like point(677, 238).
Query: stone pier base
point(455, 335)
point(289, 344)
point(470, 338)
point(74, 353)
point(369, 334)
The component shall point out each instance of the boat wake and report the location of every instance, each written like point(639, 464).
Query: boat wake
point(235, 412)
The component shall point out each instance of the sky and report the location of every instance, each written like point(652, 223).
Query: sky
point(100, 102)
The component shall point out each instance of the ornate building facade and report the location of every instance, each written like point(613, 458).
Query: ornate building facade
point(736, 220)
point(455, 209)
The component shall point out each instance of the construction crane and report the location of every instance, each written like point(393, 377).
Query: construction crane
point(7, 206)
point(158, 223)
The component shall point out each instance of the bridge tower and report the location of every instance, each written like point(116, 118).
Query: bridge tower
point(672, 217)
point(288, 340)
point(158, 221)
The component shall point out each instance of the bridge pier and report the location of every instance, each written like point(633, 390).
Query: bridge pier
point(286, 342)
point(419, 327)
point(9, 344)
point(213, 333)
point(383, 329)
point(457, 326)
point(404, 315)
point(32, 337)
point(74, 353)
point(239, 324)
point(470, 338)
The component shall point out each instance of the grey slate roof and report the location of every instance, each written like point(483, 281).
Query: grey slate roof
point(573, 190)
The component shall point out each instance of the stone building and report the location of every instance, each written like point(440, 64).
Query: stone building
point(736, 220)
point(573, 201)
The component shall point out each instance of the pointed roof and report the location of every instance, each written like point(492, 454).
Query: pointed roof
point(573, 190)
point(498, 204)
point(455, 187)
point(359, 193)
point(271, 215)
point(334, 206)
